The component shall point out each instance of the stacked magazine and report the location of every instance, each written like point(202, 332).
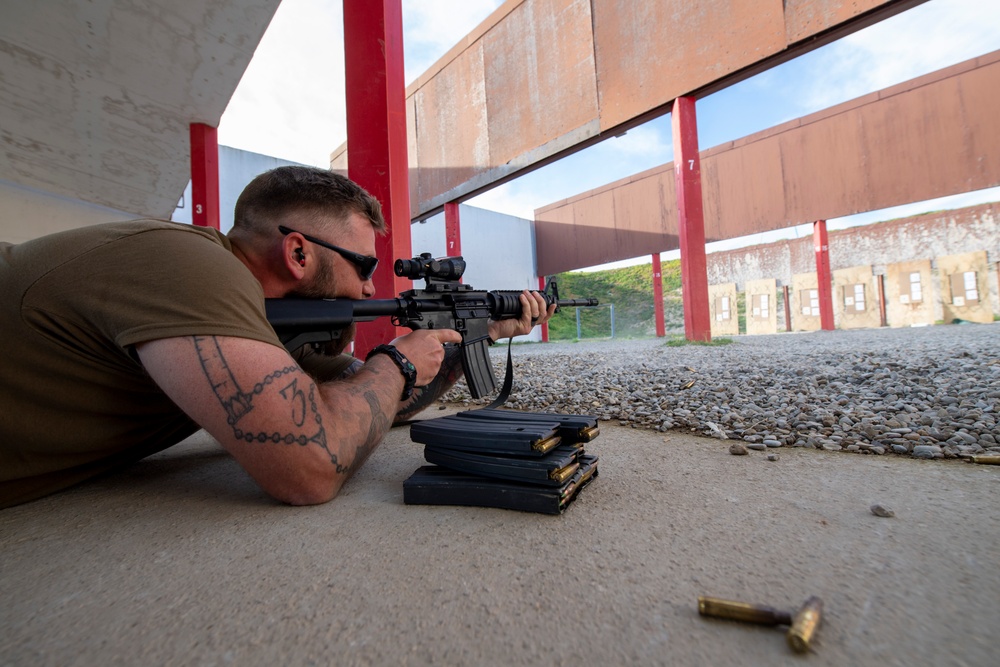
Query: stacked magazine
point(528, 461)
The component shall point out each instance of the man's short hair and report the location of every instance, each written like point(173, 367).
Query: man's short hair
point(271, 196)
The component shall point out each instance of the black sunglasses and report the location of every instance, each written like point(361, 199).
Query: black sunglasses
point(366, 265)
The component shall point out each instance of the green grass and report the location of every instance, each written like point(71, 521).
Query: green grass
point(678, 341)
point(630, 289)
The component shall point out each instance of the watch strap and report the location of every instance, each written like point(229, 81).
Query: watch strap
point(406, 367)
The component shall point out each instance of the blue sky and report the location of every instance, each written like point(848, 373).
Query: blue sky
point(290, 101)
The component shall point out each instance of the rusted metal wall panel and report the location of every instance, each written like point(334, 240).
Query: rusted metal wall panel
point(558, 235)
point(649, 53)
point(934, 136)
point(805, 18)
point(638, 225)
point(593, 226)
point(820, 168)
point(757, 162)
point(450, 126)
point(550, 76)
point(539, 70)
point(633, 227)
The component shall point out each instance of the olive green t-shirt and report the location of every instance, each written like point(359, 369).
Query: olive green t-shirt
point(74, 399)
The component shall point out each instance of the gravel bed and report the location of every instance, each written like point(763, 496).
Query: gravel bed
point(927, 392)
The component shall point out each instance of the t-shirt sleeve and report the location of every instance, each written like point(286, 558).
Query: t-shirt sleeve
point(157, 284)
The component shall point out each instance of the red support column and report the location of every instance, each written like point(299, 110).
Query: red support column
point(824, 278)
point(545, 327)
point(204, 175)
point(691, 221)
point(376, 140)
point(452, 229)
point(661, 330)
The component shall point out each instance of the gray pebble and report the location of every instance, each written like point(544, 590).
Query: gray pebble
point(927, 452)
point(773, 456)
point(879, 391)
point(882, 510)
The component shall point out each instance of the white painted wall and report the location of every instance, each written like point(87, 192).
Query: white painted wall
point(236, 169)
point(26, 213)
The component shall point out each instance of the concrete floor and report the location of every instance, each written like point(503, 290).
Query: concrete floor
point(181, 560)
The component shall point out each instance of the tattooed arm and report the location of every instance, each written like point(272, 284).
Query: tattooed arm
point(298, 439)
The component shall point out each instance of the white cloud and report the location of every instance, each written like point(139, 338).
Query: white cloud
point(921, 40)
point(290, 102)
point(433, 27)
point(511, 200)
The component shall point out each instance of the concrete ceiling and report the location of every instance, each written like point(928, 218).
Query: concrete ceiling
point(97, 96)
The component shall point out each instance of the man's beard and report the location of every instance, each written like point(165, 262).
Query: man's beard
point(322, 286)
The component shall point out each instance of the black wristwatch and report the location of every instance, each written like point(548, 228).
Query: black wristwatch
point(406, 367)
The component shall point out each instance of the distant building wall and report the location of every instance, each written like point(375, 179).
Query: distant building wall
point(888, 247)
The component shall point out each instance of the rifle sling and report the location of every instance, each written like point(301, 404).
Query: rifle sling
point(508, 381)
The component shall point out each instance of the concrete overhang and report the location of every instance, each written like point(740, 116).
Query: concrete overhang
point(97, 97)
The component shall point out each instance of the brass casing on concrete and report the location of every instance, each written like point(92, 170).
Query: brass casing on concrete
point(805, 624)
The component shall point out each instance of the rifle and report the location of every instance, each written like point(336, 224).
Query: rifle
point(444, 303)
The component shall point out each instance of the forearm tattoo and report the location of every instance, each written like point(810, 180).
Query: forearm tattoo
point(422, 397)
point(295, 387)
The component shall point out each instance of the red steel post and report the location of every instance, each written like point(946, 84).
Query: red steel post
point(204, 175)
point(376, 140)
point(690, 221)
point(661, 330)
point(545, 327)
point(824, 278)
point(452, 229)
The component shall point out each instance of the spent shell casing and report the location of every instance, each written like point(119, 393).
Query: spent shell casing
point(804, 624)
point(990, 460)
point(741, 611)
